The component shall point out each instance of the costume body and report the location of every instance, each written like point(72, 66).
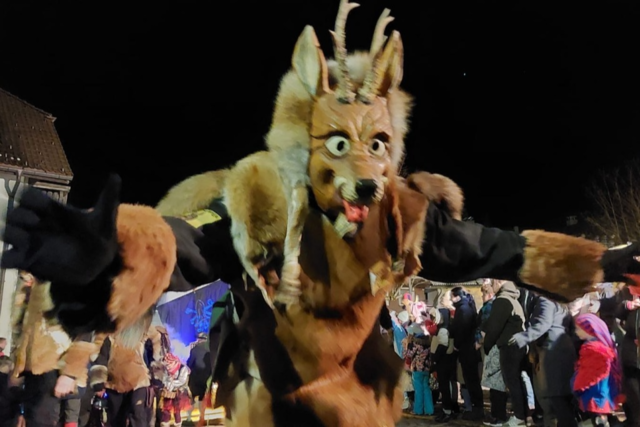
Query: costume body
point(310, 235)
point(121, 373)
point(44, 353)
point(175, 390)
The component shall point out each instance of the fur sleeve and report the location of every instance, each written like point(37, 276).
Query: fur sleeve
point(75, 362)
point(593, 366)
point(148, 251)
point(561, 264)
point(98, 374)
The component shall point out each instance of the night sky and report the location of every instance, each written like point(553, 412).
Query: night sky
point(517, 101)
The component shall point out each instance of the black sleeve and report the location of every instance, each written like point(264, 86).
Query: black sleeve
point(204, 255)
point(500, 313)
point(385, 318)
point(99, 368)
point(457, 251)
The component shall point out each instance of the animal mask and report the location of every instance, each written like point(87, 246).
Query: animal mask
point(351, 152)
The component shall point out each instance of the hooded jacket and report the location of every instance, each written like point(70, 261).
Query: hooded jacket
point(506, 318)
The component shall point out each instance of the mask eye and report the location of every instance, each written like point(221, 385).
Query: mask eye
point(338, 145)
point(378, 148)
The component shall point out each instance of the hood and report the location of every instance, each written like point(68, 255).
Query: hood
point(509, 290)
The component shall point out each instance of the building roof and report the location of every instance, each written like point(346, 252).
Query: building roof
point(28, 138)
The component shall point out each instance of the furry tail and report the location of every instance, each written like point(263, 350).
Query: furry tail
point(194, 193)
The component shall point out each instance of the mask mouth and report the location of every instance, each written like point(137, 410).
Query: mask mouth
point(355, 202)
point(355, 212)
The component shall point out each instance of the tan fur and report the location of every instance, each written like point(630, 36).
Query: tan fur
point(126, 368)
point(257, 205)
point(439, 189)
point(561, 264)
point(75, 361)
point(194, 193)
point(294, 105)
point(98, 374)
point(41, 343)
point(148, 249)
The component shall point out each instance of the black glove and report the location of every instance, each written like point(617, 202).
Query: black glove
point(617, 264)
point(62, 243)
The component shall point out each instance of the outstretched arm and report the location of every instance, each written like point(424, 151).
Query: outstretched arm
point(108, 265)
point(559, 265)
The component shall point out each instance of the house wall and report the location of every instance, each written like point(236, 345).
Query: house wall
point(9, 277)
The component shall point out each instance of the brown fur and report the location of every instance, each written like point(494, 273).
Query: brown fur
point(440, 190)
point(75, 360)
point(561, 264)
point(126, 368)
point(193, 194)
point(257, 205)
point(148, 249)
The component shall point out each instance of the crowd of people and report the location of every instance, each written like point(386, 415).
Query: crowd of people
point(140, 385)
point(557, 364)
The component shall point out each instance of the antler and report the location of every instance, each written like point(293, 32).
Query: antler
point(378, 35)
point(344, 91)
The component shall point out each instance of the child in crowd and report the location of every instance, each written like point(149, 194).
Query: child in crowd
point(417, 351)
point(597, 380)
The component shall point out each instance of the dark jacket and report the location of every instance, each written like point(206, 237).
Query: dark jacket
point(463, 326)
point(199, 363)
point(9, 401)
point(629, 351)
point(506, 318)
point(552, 347)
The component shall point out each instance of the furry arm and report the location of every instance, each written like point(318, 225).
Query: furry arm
point(74, 363)
point(98, 371)
point(555, 264)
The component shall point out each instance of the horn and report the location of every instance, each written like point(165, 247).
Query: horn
point(344, 91)
point(378, 34)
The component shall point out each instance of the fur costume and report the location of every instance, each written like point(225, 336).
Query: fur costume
point(42, 344)
point(119, 367)
point(310, 234)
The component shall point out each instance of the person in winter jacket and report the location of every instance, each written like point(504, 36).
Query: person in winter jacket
point(597, 379)
point(418, 353)
point(553, 354)
point(463, 331)
point(443, 361)
point(506, 320)
point(491, 372)
point(52, 365)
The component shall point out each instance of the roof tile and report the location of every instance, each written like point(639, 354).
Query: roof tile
point(28, 138)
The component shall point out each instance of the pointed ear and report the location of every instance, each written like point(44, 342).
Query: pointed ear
point(310, 64)
point(391, 63)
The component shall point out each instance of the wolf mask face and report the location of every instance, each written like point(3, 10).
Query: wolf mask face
point(351, 152)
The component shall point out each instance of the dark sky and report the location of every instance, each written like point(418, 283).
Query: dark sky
point(517, 101)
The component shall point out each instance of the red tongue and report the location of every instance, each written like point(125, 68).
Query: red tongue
point(355, 213)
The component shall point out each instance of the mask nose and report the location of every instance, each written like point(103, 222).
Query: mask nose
point(366, 189)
